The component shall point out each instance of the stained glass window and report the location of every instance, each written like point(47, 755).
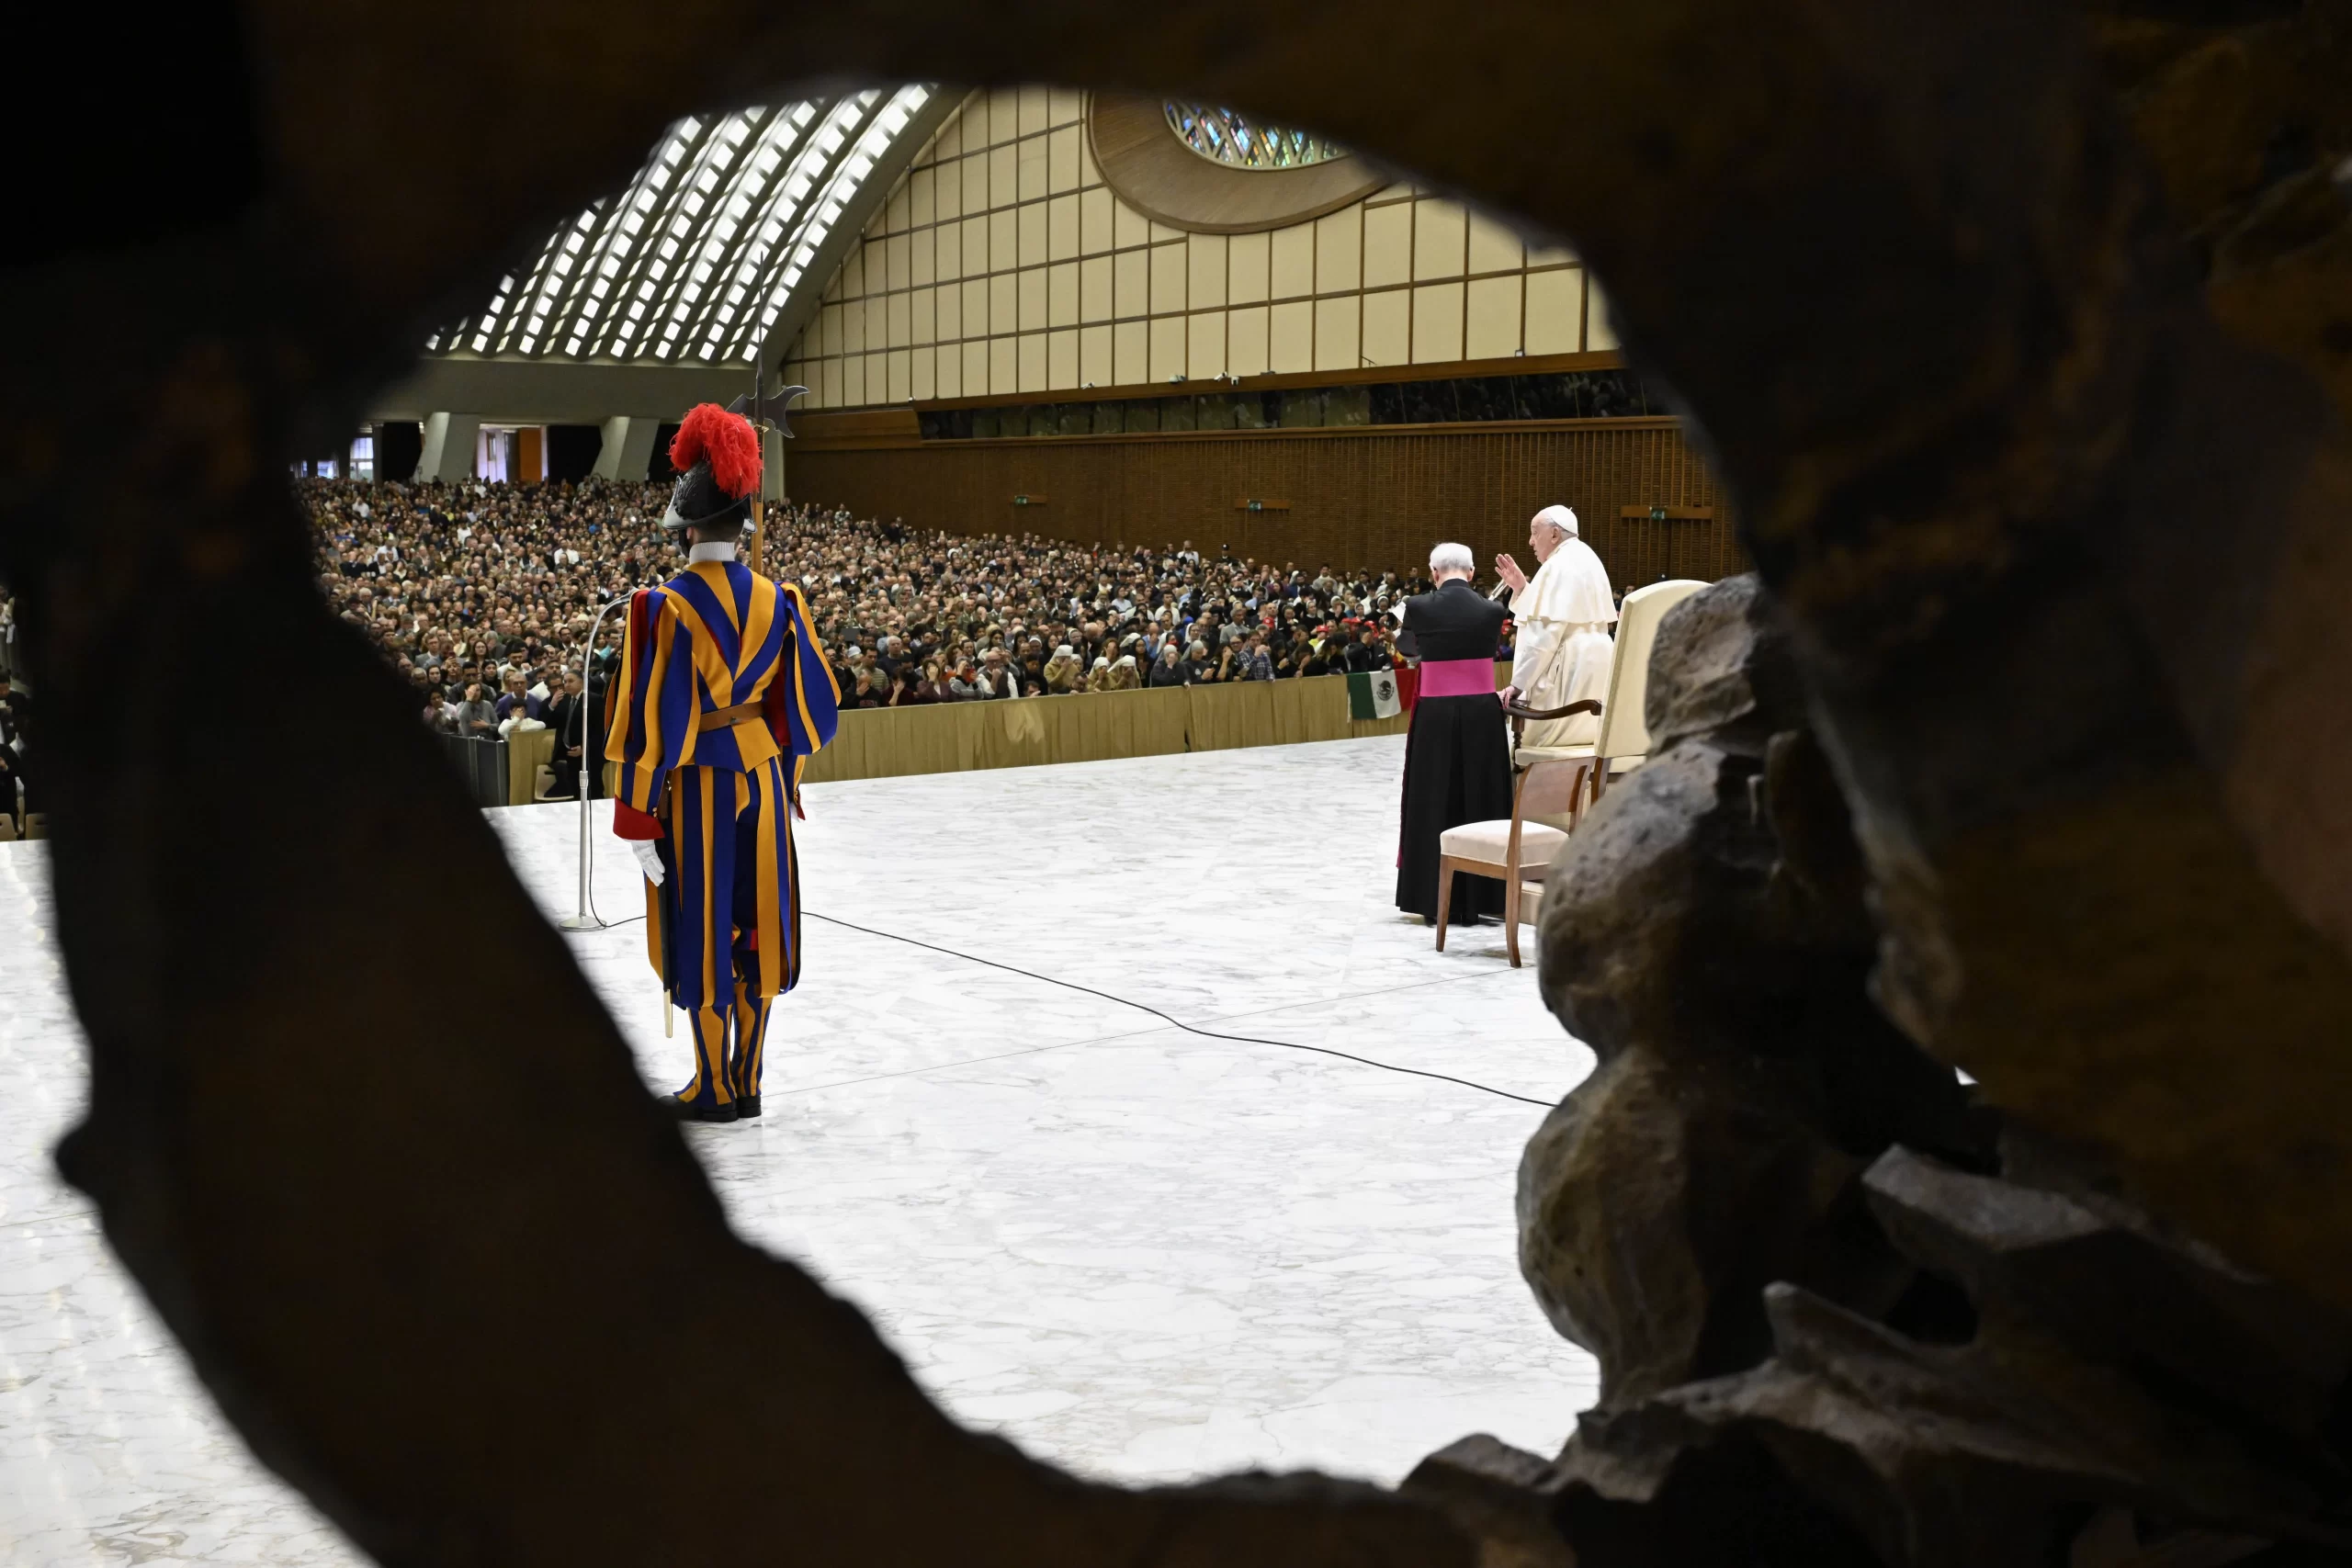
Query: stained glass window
point(1226, 136)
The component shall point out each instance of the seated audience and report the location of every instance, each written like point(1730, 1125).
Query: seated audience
point(998, 679)
point(566, 716)
point(477, 719)
point(489, 588)
point(15, 785)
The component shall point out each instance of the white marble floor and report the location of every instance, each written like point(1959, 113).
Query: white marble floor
point(1142, 1253)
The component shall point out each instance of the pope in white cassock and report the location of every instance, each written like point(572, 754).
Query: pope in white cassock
point(1562, 650)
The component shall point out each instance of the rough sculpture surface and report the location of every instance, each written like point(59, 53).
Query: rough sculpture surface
point(1841, 1311)
point(2018, 334)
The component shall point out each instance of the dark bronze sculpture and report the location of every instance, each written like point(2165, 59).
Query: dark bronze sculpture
point(2019, 332)
point(1845, 1312)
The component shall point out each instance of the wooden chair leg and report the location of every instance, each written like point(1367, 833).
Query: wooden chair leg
point(1444, 896)
point(1510, 913)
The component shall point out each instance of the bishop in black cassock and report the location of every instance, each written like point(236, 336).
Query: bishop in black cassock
point(1457, 755)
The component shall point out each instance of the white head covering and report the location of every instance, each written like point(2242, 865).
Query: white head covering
point(1560, 517)
point(1571, 587)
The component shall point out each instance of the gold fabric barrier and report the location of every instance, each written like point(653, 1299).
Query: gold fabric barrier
point(525, 754)
point(1083, 728)
point(881, 743)
point(1094, 726)
point(925, 749)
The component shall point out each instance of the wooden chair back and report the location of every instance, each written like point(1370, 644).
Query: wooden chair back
point(1519, 713)
point(1549, 787)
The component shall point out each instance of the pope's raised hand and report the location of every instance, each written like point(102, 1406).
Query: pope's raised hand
point(1508, 569)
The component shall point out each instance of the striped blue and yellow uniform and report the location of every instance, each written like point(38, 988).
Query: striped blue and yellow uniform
point(724, 926)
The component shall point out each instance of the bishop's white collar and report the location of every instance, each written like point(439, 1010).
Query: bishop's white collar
point(716, 551)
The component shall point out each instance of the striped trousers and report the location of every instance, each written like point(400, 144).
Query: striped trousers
point(730, 916)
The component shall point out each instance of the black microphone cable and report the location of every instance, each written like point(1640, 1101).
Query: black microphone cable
point(1180, 1023)
point(1123, 1001)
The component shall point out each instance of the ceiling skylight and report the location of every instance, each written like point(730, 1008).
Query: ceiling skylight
point(696, 259)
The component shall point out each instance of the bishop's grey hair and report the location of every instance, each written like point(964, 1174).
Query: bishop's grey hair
point(1452, 558)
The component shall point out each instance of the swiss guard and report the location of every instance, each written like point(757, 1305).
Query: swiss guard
point(721, 696)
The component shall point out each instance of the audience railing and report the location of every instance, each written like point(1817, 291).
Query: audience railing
point(1091, 727)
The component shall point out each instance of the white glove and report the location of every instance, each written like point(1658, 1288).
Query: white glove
point(650, 858)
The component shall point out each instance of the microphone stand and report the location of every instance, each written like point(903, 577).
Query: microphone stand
point(584, 921)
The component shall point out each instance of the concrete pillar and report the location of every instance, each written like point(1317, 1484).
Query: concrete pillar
point(608, 452)
point(627, 451)
point(450, 441)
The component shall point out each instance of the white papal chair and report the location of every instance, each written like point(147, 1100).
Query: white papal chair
point(1624, 740)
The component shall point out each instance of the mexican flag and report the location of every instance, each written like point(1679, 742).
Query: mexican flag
point(1374, 696)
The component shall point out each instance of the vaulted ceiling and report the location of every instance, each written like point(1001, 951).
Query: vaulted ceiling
point(700, 260)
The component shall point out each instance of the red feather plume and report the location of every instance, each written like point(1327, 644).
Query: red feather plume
point(726, 439)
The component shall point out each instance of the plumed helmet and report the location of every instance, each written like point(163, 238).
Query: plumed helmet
point(716, 455)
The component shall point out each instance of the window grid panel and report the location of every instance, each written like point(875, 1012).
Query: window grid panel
point(884, 118)
point(650, 209)
point(809, 209)
point(1331, 321)
point(721, 227)
point(589, 280)
point(739, 255)
point(695, 255)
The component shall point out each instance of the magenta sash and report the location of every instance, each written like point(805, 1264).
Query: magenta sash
point(1457, 678)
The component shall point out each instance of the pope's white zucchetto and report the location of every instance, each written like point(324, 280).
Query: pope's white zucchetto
point(1560, 517)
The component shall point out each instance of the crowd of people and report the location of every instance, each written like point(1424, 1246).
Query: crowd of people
point(16, 801)
point(482, 595)
point(916, 617)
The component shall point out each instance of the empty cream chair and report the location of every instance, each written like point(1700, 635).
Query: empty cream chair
point(1624, 738)
point(1518, 851)
point(1624, 742)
